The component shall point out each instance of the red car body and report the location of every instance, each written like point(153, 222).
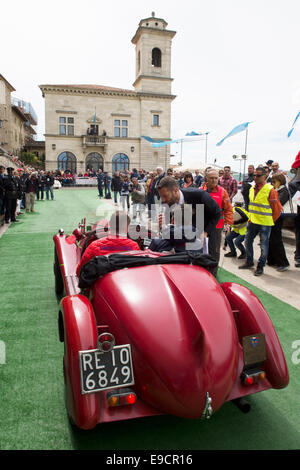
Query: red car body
point(185, 331)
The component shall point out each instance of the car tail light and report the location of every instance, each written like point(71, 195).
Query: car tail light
point(250, 378)
point(121, 397)
point(248, 381)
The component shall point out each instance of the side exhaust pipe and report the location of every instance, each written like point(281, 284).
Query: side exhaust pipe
point(242, 404)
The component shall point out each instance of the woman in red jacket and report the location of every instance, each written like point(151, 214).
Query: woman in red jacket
point(116, 241)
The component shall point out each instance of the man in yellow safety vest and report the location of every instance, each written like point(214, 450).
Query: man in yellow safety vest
point(264, 209)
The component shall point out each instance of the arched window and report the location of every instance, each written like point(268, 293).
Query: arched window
point(156, 57)
point(94, 161)
point(67, 161)
point(120, 162)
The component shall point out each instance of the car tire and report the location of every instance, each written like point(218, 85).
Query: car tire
point(59, 283)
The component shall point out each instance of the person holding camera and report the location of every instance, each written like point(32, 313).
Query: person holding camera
point(137, 191)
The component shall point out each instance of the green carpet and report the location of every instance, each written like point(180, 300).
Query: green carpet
point(32, 411)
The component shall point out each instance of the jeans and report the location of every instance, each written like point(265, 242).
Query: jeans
point(124, 200)
point(238, 241)
point(141, 208)
point(38, 191)
point(51, 192)
point(116, 196)
point(264, 232)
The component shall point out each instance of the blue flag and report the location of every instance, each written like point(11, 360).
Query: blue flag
point(235, 130)
point(193, 133)
point(149, 139)
point(296, 119)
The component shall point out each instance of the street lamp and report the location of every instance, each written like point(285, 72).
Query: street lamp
point(240, 158)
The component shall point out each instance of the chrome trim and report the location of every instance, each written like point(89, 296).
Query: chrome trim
point(110, 341)
point(208, 410)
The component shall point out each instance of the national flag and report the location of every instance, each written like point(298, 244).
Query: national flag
point(296, 119)
point(156, 143)
point(235, 130)
point(193, 133)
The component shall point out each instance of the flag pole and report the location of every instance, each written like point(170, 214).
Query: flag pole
point(246, 142)
point(181, 154)
point(206, 148)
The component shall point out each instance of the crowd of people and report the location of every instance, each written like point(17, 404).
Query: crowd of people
point(258, 209)
point(20, 188)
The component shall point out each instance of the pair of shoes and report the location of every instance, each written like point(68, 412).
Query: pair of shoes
point(259, 270)
point(282, 268)
point(246, 265)
point(20, 213)
point(231, 254)
point(31, 210)
point(242, 256)
point(7, 221)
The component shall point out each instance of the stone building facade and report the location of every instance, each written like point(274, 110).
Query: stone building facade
point(94, 126)
point(17, 119)
point(5, 114)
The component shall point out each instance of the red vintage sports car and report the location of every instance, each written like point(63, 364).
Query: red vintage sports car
point(158, 339)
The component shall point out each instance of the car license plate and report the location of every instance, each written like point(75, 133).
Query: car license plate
point(105, 370)
point(254, 349)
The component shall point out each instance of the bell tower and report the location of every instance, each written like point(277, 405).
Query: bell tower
point(153, 42)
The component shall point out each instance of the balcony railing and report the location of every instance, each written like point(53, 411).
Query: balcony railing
point(26, 108)
point(93, 140)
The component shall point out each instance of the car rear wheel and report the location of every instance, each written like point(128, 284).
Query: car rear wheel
point(59, 283)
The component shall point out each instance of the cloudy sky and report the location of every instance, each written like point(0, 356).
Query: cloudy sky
point(233, 61)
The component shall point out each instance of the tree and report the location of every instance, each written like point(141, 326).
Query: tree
point(29, 158)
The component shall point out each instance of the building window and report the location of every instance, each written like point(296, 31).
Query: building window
point(156, 57)
point(66, 126)
point(67, 161)
point(94, 161)
point(155, 119)
point(120, 162)
point(120, 128)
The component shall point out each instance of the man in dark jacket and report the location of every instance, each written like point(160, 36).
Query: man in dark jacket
point(170, 194)
point(12, 192)
point(107, 185)
point(100, 178)
point(246, 185)
point(116, 185)
point(49, 183)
